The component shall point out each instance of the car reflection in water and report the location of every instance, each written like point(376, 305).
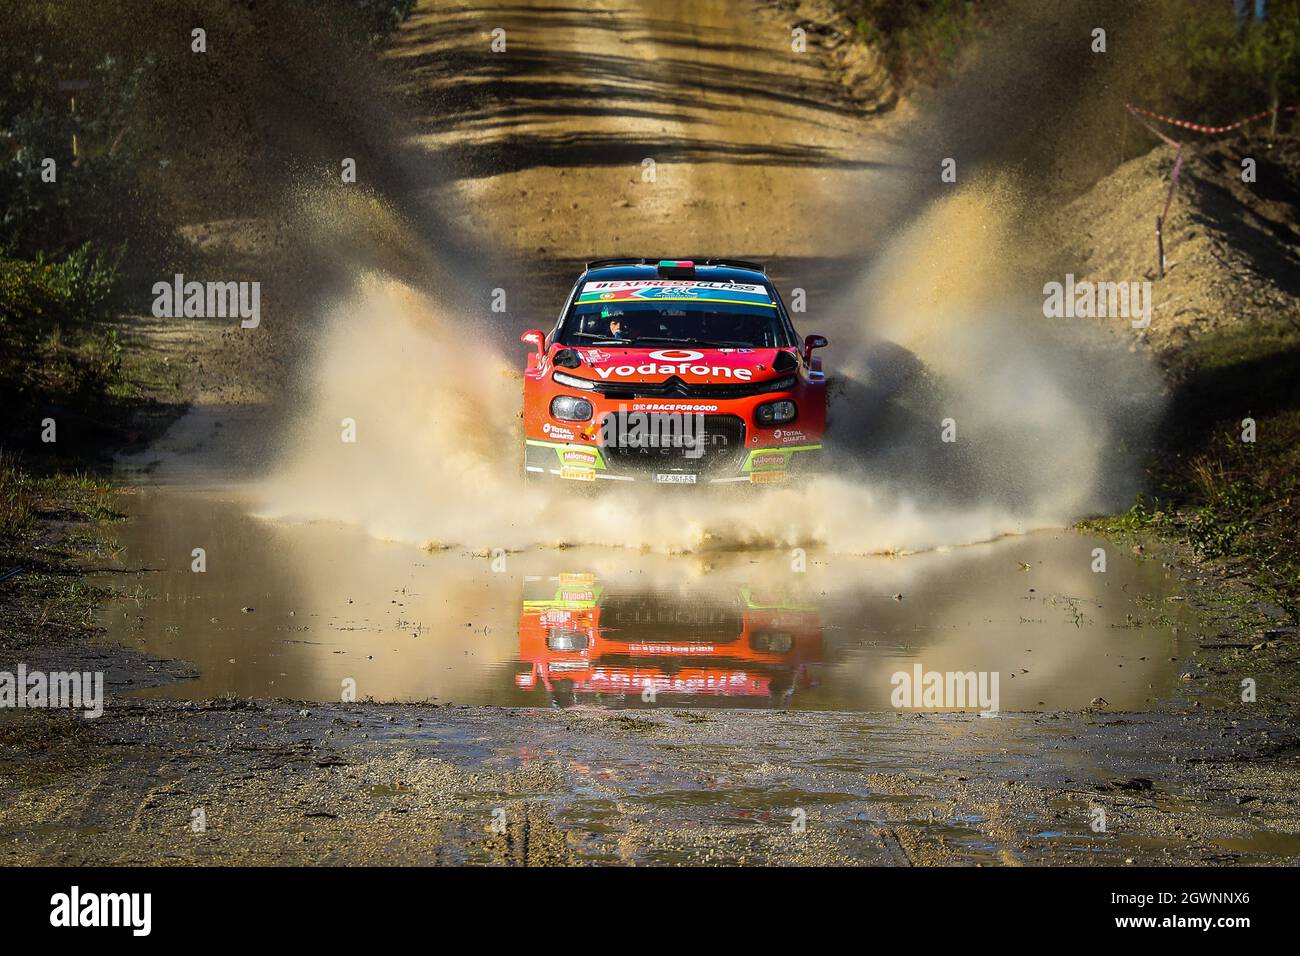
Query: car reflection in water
point(584, 642)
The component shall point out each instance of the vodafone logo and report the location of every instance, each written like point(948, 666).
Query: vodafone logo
point(673, 362)
point(676, 355)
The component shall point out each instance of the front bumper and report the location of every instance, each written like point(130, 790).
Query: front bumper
point(575, 461)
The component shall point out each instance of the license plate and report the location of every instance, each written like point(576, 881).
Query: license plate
point(578, 474)
point(674, 479)
point(766, 477)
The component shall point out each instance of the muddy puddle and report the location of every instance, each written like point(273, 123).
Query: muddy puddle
point(318, 611)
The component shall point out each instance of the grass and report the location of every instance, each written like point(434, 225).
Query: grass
point(1244, 502)
point(83, 496)
point(1231, 499)
point(88, 365)
point(17, 499)
point(26, 498)
point(1142, 516)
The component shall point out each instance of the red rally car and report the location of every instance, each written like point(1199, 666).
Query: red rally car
point(731, 647)
point(673, 372)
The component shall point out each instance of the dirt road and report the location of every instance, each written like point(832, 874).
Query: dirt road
point(641, 128)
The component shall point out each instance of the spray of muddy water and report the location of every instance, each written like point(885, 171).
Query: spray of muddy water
point(1047, 417)
point(936, 332)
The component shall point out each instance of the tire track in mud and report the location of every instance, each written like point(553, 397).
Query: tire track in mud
point(753, 145)
point(530, 839)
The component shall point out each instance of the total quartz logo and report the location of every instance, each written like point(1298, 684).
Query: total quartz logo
point(558, 432)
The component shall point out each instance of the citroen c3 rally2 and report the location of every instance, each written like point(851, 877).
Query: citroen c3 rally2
point(673, 372)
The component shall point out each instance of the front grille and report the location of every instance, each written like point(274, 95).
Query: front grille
point(643, 620)
point(675, 388)
point(656, 442)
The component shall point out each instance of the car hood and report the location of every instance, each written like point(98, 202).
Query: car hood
point(696, 366)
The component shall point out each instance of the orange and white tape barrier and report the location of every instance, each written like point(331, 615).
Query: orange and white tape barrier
point(1201, 128)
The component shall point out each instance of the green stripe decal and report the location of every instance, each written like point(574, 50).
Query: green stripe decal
point(562, 447)
point(785, 454)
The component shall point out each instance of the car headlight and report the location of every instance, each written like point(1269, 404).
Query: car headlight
point(775, 413)
point(573, 381)
point(772, 642)
point(567, 408)
point(564, 639)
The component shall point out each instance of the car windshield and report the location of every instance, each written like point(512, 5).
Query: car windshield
point(657, 313)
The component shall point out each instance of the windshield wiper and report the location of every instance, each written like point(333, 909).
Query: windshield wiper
point(602, 338)
point(671, 339)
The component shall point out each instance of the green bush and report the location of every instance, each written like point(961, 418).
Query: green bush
point(52, 339)
point(82, 287)
point(100, 194)
point(1232, 73)
point(921, 39)
point(85, 284)
point(1193, 61)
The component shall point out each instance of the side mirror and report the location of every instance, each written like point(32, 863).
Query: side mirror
point(813, 342)
point(534, 338)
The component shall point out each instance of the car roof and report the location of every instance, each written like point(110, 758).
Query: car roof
point(705, 273)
